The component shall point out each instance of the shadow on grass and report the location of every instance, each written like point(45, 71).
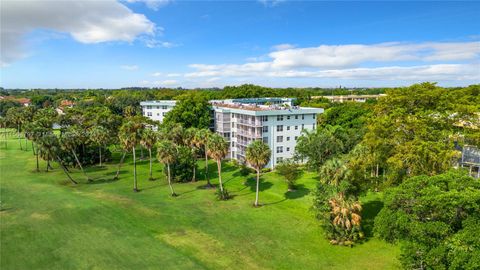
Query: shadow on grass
point(115, 172)
point(252, 183)
point(272, 203)
point(370, 211)
point(299, 192)
point(96, 181)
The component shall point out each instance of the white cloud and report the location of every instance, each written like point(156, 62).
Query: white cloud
point(331, 56)
point(153, 43)
point(421, 61)
point(85, 21)
point(174, 75)
point(168, 82)
point(157, 74)
point(270, 3)
point(284, 46)
point(152, 4)
point(130, 67)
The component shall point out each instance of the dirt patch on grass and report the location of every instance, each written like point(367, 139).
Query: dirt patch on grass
point(209, 250)
point(40, 216)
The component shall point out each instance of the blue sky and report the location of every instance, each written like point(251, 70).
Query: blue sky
point(109, 44)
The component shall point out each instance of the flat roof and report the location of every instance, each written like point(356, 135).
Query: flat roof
point(265, 110)
point(158, 102)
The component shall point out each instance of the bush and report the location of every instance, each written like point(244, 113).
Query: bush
point(245, 170)
point(222, 196)
point(182, 169)
point(290, 171)
point(266, 170)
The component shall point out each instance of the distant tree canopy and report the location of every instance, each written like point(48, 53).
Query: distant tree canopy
point(437, 220)
point(191, 110)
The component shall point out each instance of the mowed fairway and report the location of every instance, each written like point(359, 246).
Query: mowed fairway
point(46, 223)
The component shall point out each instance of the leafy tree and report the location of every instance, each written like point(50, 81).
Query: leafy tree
point(258, 155)
point(218, 149)
point(100, 136)
point(15, 117)
point(436, 219)
point(148, 140)
point(289, 169)
point(191, 110)
point(181, 169)
point(167, 154)
point(4, 125)
point(129, 137)
point(320, 145)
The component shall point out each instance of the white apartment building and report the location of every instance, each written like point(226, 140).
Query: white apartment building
point(157, 109)
point(274, 120)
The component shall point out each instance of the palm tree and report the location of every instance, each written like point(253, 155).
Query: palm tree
point(100, 136)
point(333, 171)
point(202, 138)
point(14, 116)
point(167, 154)
point(346, 218)
point(218, 150)
point(49, 146)
point(69, 141)
point(129, 137)
point(258, 155)
point(191, 140)
point(34, 131)
point(148, 140)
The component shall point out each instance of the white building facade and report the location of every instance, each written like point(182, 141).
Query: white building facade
point(278, 124)
point(157, 109)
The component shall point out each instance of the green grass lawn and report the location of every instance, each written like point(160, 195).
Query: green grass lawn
point(46, 223)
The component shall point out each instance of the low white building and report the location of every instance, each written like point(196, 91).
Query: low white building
point(157, 109)
point(274, 120)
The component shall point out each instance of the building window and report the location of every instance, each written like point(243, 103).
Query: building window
point(296, 127)
point(158, 114)
point(314, 116)
point(265, 139)
point(265, 129)
point(313, 126)
point(279, 149)
point(279, 128)
point(233, 144)
point(264, 118)
point(163, 113)
point(303, 126)
point(149, 107)
point(279, 138)
point(288, 117)
point(288, 149)
point(288, 127)
point(296, 137)
point(164, 107)
point(279, 117)
point(296, 116)
point(288, 139)
point(149, 113)
point(303, 116)
point(279, 159)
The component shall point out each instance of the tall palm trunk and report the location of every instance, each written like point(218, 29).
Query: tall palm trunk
point(26, 143)
point(135, 189)
point(36, 155)
point(194, 172)
point(5, 135)
point(207, 177)
point(150, 156)
point(33, 148)
point(81, 167)
point(257, 189)
point(170, 181)
point(120, 165)
point(219, 167)
point(66, 171)
point(18, 136)
point(100, 152)
point(48, 161)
